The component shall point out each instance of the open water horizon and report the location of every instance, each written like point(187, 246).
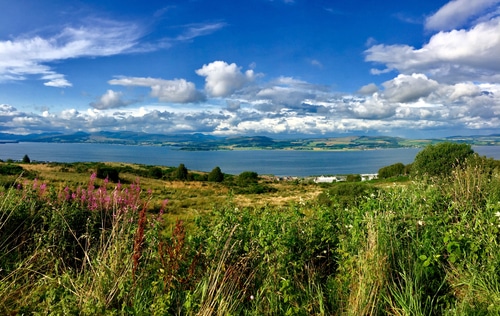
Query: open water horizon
point(264, 162)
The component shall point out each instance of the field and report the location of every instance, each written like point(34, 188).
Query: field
point(75, 243)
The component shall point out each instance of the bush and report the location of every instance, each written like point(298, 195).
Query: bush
point(248, 177)
point(216, 175)
point(346, 194)
point(353, 178)
point(111, 173)
point(11, 169)
point(155, 173)
point(440, 159)
point(181, 173)
point(394, 170)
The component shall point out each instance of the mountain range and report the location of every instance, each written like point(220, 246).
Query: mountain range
point(199, 141)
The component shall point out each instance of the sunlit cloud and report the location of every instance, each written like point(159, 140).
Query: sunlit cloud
point(177, 90)
point(454, 56)
point(222, 79)
point(456, 13)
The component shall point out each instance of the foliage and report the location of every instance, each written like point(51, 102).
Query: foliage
point(346, 194)
point(181, 173)
point(248, 177)
point(11, 169)
point(26, 159)
point(422, 248)
point(155, 172)
point(111, 173)
point(353, 178)
point(440, 159)
point(393, 170)
point(216, 175)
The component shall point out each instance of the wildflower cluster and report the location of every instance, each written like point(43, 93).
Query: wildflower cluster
point(98, 198)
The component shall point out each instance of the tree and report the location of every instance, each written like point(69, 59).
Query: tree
point(216, 175)
point(440, 159)
point(26, 159)
point(181, 173)
point(111, 173)
point(353, 178)
point(156, 173)
point(248, 177)
point(394, 170)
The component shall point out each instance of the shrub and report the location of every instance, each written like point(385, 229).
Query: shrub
point(248, 177)
point(346, 194)
point(11, 169)
point(440, 159)
point(181, 173)
point(111, 173)
point(353, 178)
point(156, 172)
point(394, 170)
point(216, 175)
point(26, 159)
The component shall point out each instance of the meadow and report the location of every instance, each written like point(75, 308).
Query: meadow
point(73, 242)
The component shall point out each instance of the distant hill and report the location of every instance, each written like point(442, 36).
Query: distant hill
point(199, 141)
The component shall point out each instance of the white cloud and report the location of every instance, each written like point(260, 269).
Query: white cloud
point(197, 30)
point(111, 99)
point(406, 88)
point(222, 79)
point(56, 80)
point(28, 55)
point(455, 56)
point(368, 89)
point(456, 13)
point(372, 108)
point(316, 63)
point(176, 91)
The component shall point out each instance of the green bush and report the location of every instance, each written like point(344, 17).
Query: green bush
point(346, 194)
point(111, 173)
point(440, 159)
point(11, 169)
point(216, 175)
point(247, 177)
point(394, 170)
point(181, 173)
point(155, 173)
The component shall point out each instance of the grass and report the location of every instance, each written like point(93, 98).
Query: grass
point(73, 244)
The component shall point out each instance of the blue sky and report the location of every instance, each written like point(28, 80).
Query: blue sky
point(282, 68)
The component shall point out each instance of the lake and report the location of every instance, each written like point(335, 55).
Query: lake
point(275, 162)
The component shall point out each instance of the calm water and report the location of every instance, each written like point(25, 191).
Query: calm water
point(276, 162)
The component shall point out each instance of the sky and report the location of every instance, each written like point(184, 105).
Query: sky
point(281, 68)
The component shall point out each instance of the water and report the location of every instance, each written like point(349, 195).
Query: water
point(275, 162)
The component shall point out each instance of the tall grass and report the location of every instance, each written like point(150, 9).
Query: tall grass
point(426, 248)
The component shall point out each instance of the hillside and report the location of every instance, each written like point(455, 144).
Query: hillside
point(200, 141)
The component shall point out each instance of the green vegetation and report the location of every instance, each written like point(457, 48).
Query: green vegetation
point(199, 141)
point(181, 173)
point(216, 175)
point(74, 245)
point(394, 170)
point(440, 159)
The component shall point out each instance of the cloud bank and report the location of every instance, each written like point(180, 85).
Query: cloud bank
point(450, 83)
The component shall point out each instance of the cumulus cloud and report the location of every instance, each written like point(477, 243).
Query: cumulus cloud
point(368, 89)
point(372, 108)
point(222, 79)
point(175, 91)
point(456, 13)
point(111, 99)
point(25, 56)
point(406, 88)
point(454, 56)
